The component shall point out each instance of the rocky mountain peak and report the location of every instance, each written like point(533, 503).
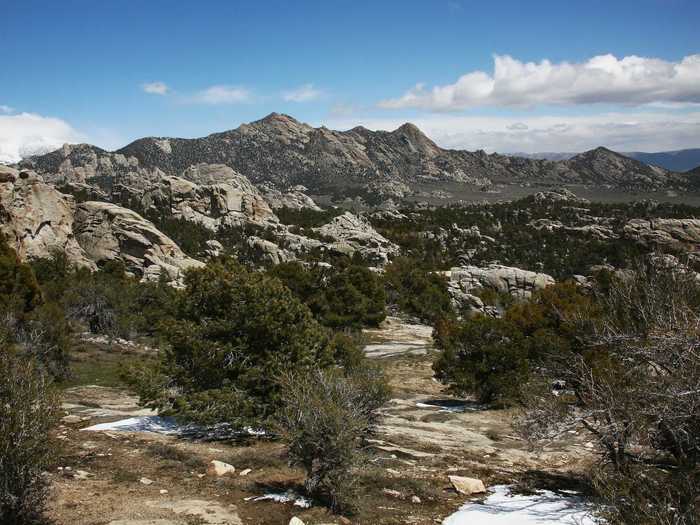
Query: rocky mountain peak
point(416, 140)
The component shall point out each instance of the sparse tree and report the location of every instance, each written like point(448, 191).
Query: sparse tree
point(325, 416)
point(28, 411)
point(635, 387)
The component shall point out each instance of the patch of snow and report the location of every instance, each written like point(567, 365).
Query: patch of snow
point(504, 508)
point(170, 426)
point(155, 424)
point(283, 497)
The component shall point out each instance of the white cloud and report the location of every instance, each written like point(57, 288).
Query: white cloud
point(221, 94)
point(305, 93)
point(156, 88)
point(631, 80)
point(621, 131)
point(6, 109)
point(27, 134)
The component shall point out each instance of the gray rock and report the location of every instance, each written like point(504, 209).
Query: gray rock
point(294, 199)
point(354, 234)
point(107, 232)
point(36, 219)
point(267, 251)
point(677, 233)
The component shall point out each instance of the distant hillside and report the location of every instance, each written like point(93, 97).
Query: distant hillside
point(681, 160)
point(678, 161)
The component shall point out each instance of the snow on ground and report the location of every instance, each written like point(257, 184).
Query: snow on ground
point(170, 426)
point(156, 424)
point(504, 508)
point(284, 497)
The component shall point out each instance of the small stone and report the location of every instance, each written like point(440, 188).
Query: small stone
point(295, 521)
point(392, 493)
point(219, 468)
point(245, 472)
point(467, 486)
point(146, 481)
point(163, 491)
point(71, 419)
point(81, 474)
point(344, 521)
point(415, 499)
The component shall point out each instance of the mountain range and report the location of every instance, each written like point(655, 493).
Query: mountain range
point(281, 152)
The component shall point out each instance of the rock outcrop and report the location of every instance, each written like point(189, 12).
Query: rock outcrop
point(465, 281)
point(107, 232)
point(40, 221)
point(597, 231)
point(213, 195)
point(675, 233)
point(36, 219)
point(266, 251)
point(352, 233)
point(295, 198)
point(502, 279)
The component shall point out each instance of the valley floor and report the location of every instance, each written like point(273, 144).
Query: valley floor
point(114, 477)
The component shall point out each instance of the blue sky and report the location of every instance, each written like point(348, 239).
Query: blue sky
point(108, 72)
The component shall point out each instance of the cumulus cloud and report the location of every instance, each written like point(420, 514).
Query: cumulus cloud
point(621, 131)
point(221, 94)
point(631, 80)
point(156, 88)
point(305, 93)
point(26, 134)
point(6, 109)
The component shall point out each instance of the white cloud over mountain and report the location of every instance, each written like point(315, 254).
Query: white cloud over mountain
point(621, 131)
point(25, 134)
point(631, 80)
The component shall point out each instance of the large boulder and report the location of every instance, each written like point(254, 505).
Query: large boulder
point(295, 198)
point(36, 219)
point(353, 234)
point(107, 232)
point(465, 281)
point(503, 279)
point(266, 251)
point(676, 233)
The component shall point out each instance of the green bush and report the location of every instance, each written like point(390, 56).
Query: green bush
point(234, 332)
point(483, 356)
point(492, 358)
point(37, 327)
point(19, 290)
point(324, 419)
point(417, 291)
point(349, 296)
point(28, 411)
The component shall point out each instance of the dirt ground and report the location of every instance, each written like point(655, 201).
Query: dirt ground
point(144, 478)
